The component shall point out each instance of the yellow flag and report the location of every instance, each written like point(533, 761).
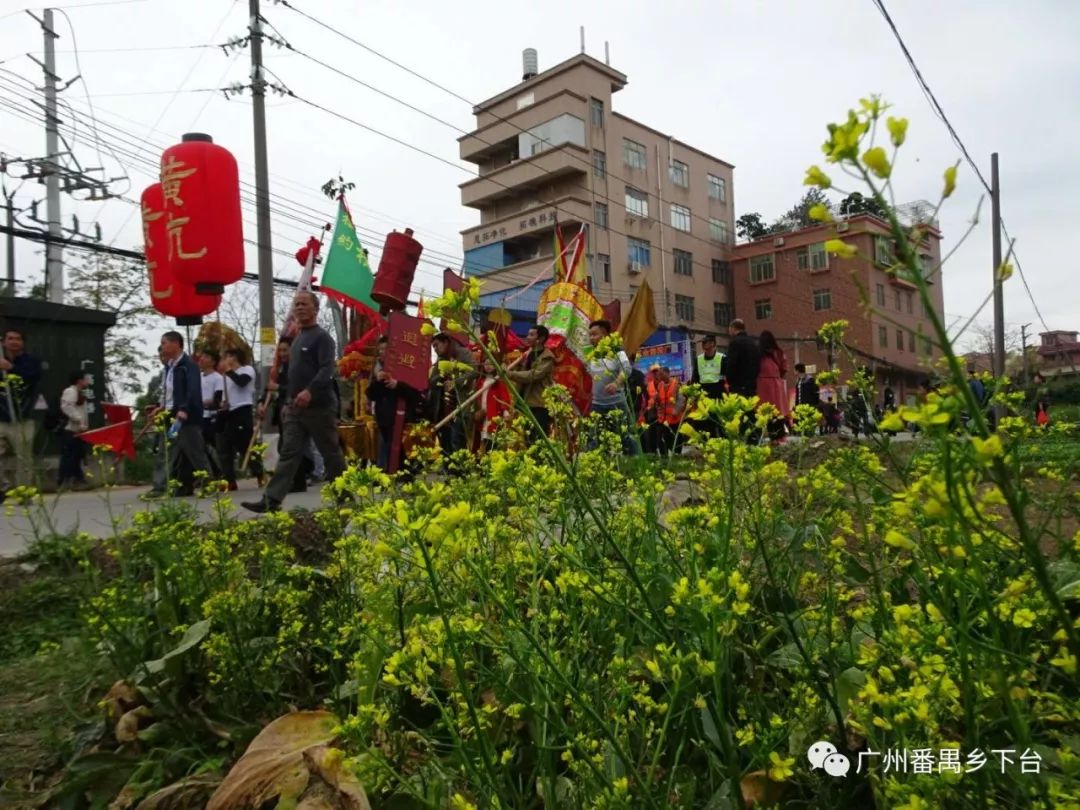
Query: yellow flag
point(640, 321)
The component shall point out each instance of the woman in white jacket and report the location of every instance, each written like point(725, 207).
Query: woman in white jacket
point(73, 449)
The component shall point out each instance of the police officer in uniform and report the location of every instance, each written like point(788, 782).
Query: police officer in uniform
point(709, 374)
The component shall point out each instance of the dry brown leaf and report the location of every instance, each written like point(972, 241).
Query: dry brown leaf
point(326, 763)
point(186, 794)
point(127, 727)
point(273, 765)
point(758, 790)
point(120, 698)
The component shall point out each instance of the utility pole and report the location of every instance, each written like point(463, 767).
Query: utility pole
point(54, 258)
point(999, 298)
point(1023, 350)
point(9, 199)
point(267, 327)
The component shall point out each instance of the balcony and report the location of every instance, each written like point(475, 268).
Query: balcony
point(480, 145)
point(535, 218)
point(525, 175)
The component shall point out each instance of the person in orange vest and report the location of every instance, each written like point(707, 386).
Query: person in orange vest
point(664, 410)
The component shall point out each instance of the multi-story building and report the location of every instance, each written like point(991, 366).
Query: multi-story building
point(787, 283)
point(551, 152)
point(1059, 353)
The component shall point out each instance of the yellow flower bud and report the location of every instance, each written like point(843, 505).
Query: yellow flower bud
point(1005, 272)
point(820, 213)
point(427, 329)
point(897, 129)
point(838, 247)
point(816, 177)
point(877, 162)
point(898, 540)
point(950, 181)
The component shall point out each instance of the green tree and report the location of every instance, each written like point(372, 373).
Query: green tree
point(799, 215)
point(751, 226)
point(856, 203)
point(116, 285)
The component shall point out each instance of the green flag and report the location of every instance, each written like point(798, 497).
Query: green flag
point(347, 275)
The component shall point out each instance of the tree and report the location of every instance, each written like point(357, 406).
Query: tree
point(856, 203)
point(111, 284)
point(799, 215)
point(751, 227)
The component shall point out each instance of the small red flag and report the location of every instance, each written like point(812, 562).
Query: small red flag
point(117, 438)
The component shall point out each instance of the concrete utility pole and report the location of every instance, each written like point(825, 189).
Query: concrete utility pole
point(54, 258)
point(999, 298)
point(10, 205)
point(1023, 350)
point(267, 327)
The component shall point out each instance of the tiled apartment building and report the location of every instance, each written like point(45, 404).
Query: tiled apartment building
point(551, 149)
point(786, 283)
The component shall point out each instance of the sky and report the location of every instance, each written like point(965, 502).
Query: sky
point(753, 83)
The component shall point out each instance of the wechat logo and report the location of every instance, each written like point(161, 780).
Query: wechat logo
point(824, 755)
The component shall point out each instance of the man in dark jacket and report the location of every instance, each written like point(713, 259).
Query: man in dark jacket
point(806, 387)
point(182, 398)
point(742, 360)
point(20, 374)
point(311, 405)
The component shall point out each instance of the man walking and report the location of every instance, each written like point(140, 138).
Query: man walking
point(610, 375)
point(20, 374)
point(182, 398)
point(743, 361)
point(213, 392)
point(537, 376)
point(311, 405)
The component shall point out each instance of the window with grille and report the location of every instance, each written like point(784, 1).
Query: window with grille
point(718, 230)
point(883, 251)
point(680, 218)
point(763, 309)
point(601, 216)
point(900, 339)
point(721, 314)
point(684, 262)
point(680, 174)
point(812, 257)
point(637, 202)
point(599, 163)
point(634, 154)
point(596, 112)
point(721, 271)
point(717, 188)
point(879, 290)
point(684, 307)
point(822, 299)
point(762, 268)
point(883, 337)
point(638, 251)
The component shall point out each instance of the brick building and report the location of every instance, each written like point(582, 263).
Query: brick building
point(551, 149)
point(787, 284)
point(1059, 353)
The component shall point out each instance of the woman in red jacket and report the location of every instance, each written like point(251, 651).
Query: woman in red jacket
point(770, 382)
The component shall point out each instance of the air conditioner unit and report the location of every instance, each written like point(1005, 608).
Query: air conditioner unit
point(842, 227)
point(778, 241)
point(633, 267)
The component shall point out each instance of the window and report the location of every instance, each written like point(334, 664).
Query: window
point(900, 339)
point(680, 218)
point(813, 257)
point(718, 230)
point(596, 112)
point(684, 307)
point(762, 269)
point(721, 271)
point(883, 337)
point(896, 298)
point(883, 251)
point(633, 154)
point(721, 314)
point(822, 299)
point(911, 341)
point(717, 188)
point(605, 266)
point(680, 174)
point(599, 163)
point(927, 348)
point(684, 262)
point(637, 202)
point(763, 309)
point(601, 216)
point(909, 297)
point(638, 251)
point(880, 292)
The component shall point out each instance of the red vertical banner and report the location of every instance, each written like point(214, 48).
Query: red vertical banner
point(455, 283)
point(408, 360)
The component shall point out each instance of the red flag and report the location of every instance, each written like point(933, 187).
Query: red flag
point(114, 414)
point(117, 438)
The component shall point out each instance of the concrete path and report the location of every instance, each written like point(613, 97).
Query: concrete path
point(91, 512)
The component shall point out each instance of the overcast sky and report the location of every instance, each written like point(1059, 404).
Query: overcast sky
point(753, 83)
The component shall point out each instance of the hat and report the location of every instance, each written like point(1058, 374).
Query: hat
point(709, 339)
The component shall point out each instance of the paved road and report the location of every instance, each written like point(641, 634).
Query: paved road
point(90, 512)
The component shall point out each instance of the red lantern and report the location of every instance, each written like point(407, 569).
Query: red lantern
point(169, 295)
point(401, 253)
point(204, 229)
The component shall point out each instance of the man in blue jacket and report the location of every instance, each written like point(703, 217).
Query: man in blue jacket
point(181, 396)
point(20, 374)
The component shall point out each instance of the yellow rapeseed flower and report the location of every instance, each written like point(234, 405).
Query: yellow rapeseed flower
point(897, 129)
point(820, 213)
point(816, 177)
point(1024, 617)
point(988, 449)
point(780, 769)
point(950, 181)
point(878, 162)
point(838, 247)
point(898, 540)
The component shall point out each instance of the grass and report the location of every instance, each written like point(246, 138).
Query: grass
point(48, 679)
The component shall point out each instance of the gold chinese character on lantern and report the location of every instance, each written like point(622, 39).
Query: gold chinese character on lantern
point(148, 216)
point(172, 173)
point(175, 228)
